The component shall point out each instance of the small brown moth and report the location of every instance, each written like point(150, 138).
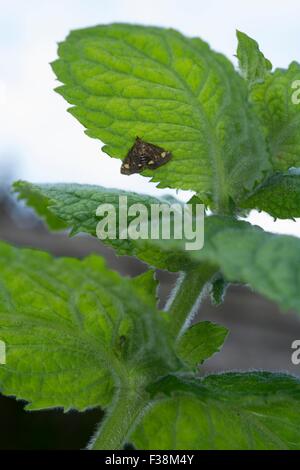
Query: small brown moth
point(143, 155)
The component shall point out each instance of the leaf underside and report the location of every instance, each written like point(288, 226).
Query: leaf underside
point(199, 342)
point(243, 253)
point(280, 116)
point(279, 196)
point(75, 205)
point(126, 81)
point(231, 411)
point(75, 330)
point(253, 65)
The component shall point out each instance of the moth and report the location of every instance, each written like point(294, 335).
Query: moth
point(143, 155)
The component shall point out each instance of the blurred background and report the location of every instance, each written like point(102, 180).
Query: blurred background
point(40, 142)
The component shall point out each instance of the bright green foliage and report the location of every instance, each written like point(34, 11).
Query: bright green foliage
point(74, 330)
point(40, 203)
point(269, 263)
point(218, 290)
point(279, 196)
point(277, 103)
point(75, 206)
point(243, 253)
point(253, 65)
point(77, 334)
point(199, 342)
point(257, 410)
point(126, 81)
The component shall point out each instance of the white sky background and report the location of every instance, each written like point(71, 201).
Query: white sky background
point(46, 144)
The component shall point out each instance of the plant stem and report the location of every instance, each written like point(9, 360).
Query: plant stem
point(120, 420)
point(187, 296)
point(130, 404)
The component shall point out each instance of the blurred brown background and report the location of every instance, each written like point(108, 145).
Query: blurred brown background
point(260, 335)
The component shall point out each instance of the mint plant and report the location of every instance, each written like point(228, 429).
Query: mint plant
point(79, 335)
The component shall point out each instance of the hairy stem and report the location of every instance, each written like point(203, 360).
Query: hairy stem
point(120, 420)
point(187, 296)
point(130, 404)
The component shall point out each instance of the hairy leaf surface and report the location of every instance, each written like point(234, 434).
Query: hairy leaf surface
point(232, 411)
point(279, 196)
point(200, 341)
point(277, 102)
point(75, 331)
point(253, 65)
point(246, 254)
point(75, 206)
point(126, 81)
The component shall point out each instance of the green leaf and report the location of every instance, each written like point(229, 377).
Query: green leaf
point(243, 253)
point(40, 203)
point(75, 206)
point(275, 101)
point(253, 65)
point(76, 332)
point(146, 287)
point(126, 81)
point(199, 342)
point(269, 263)
point(279, 196)
point(218, 290)
point(237, 411)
